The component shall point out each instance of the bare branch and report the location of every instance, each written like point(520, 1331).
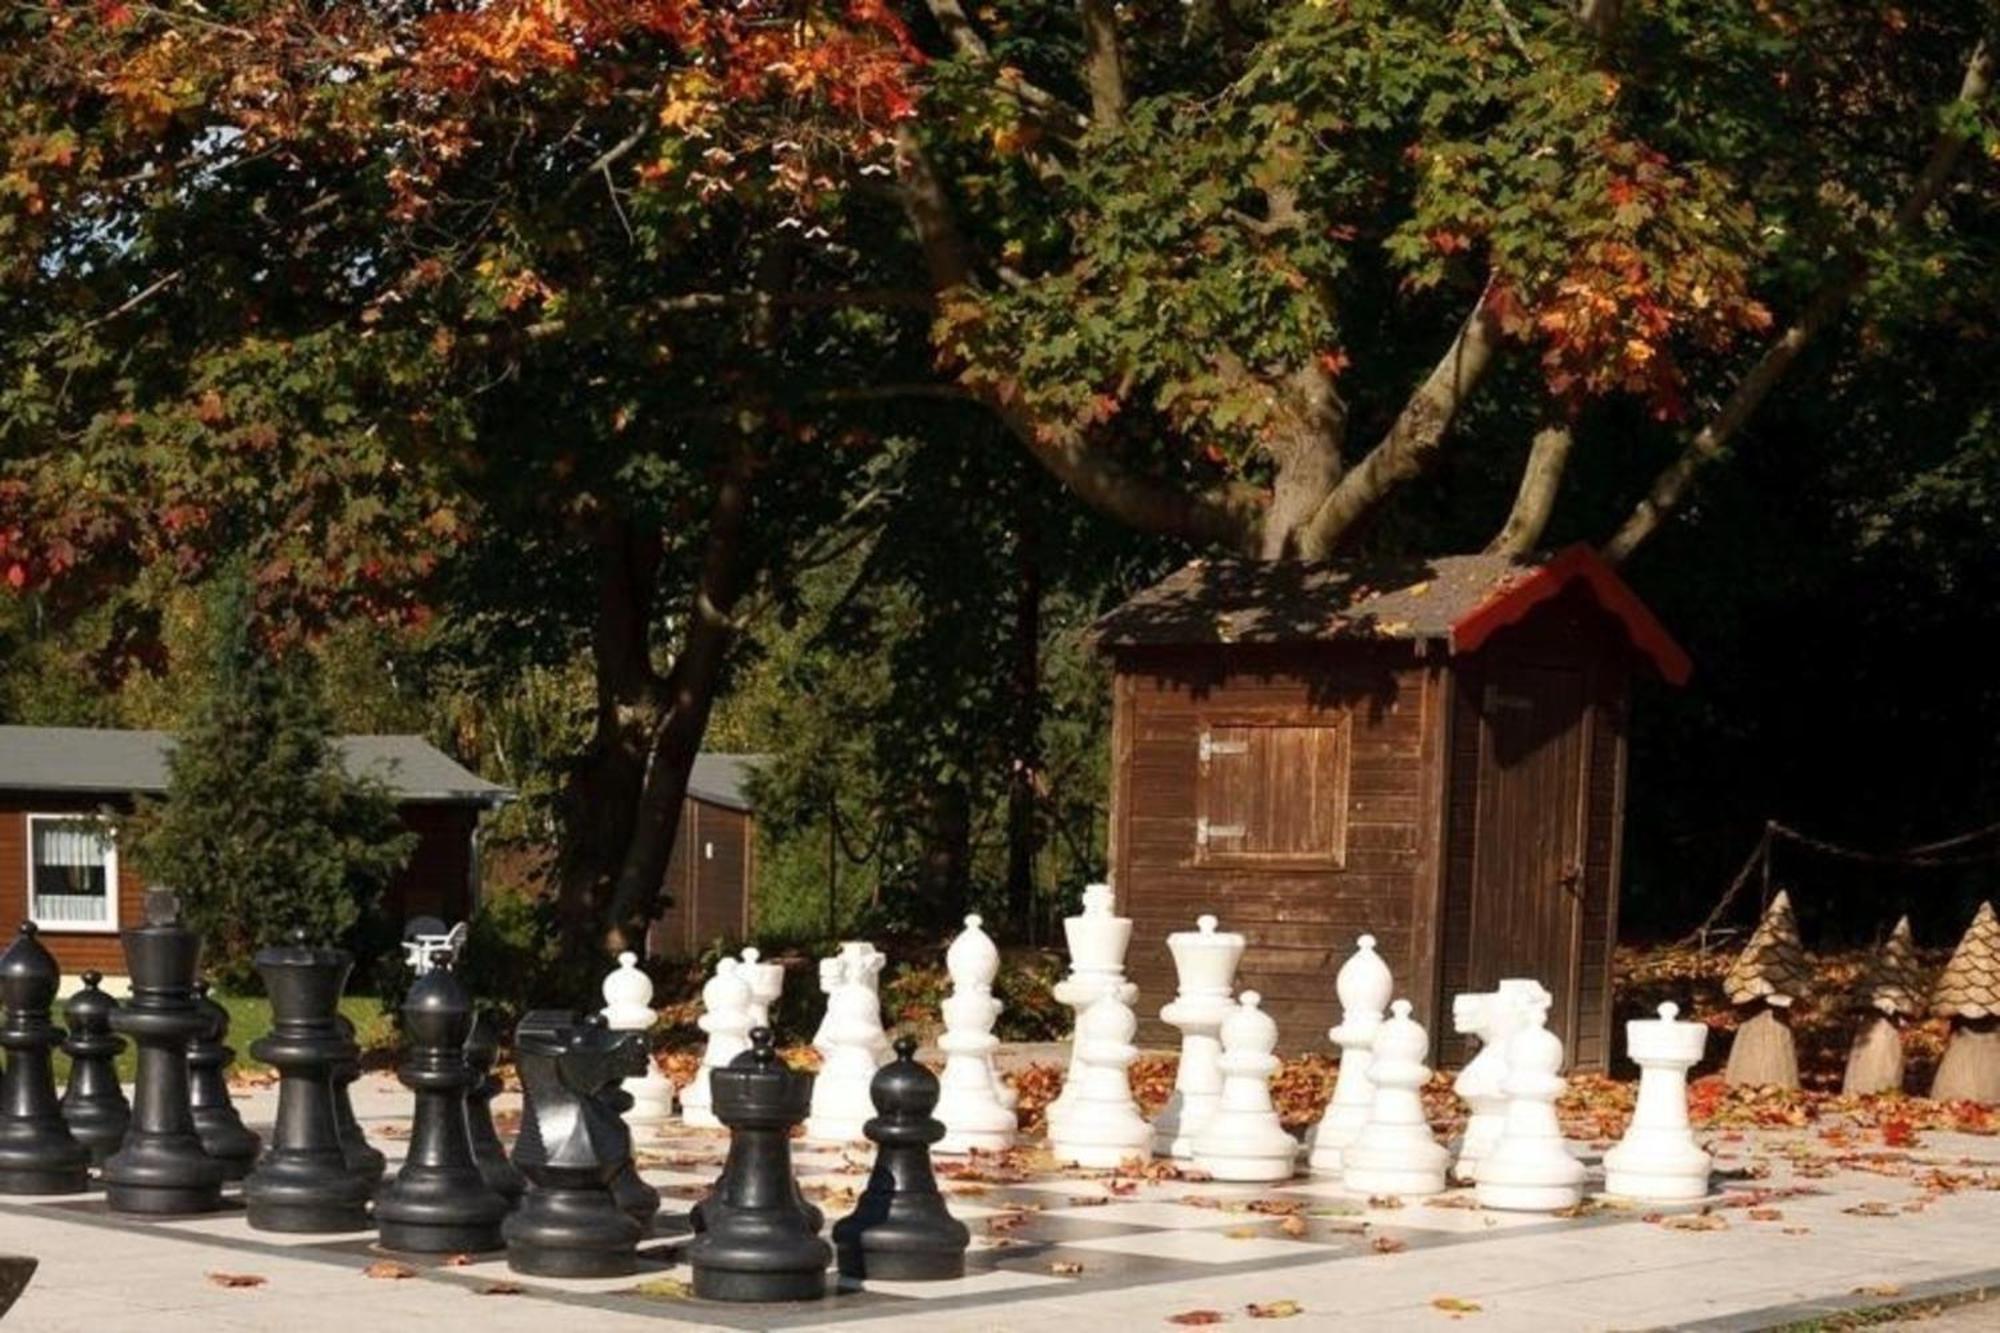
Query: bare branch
point(129, 304)
point(965, 39)
point(1541, 478)
point(1414, 436)
point(1670, 488)
point(1103, 62)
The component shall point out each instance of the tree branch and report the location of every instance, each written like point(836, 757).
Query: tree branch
point(1103, 63)
point(1541, 478)
point(1230, 515)
point(966, 41)
point(1413, 438)
point(1670, 488)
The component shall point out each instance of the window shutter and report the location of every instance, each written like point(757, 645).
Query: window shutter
point(1272, 791)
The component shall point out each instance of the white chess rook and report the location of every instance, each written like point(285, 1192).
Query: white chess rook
point(725, 1003)
point(628, 1007)
point(1396, 1153)
point(1364, 987)
point(1242, 1139)
point(1103, 1127)
point(1658, 1160)
point(853, 1036)
point(970, 1105)
point(1205, 961)
point(1097, 939)
point(1530, 1169)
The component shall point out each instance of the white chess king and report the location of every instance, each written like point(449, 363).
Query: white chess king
point(1531, 1169)
point(1242, 1139)
point(725, 1017)
point(1395, 1153)
point(1097, 938)
point(1364, 987)
point(1205, 960)
point(970, 1105)
point(1658, 1160)
point(628, 1007)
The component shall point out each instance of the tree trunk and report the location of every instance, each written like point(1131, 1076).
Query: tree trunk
point(1970, 1070)
point(1764, 1054)
point(1536, 500)
point(945, 874)
point(1024, 775)
point(1875, 1061)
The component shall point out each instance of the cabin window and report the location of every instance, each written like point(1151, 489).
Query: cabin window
point(1272, 792)
point(72, 873)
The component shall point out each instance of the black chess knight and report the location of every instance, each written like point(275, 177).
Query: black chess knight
point(94, 1104)
point(900, 1229)
point(571, 1146)
point(38, 1154)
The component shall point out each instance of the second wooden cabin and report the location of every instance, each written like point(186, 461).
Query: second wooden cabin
point(1432, 753)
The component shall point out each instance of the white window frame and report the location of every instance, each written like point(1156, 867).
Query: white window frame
point(107, 927)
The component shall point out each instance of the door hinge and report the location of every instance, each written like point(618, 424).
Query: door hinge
point(1205, 832)
point(1210, 747)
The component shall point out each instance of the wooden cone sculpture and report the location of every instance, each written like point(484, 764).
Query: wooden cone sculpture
point(1769, 976)
point(1968, 993)
point(1890, 994)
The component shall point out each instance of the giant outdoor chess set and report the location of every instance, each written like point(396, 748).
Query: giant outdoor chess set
point(609, 1201)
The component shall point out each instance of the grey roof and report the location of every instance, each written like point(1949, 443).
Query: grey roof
point(84, 759)
point(724, 779)
point(1245, 601)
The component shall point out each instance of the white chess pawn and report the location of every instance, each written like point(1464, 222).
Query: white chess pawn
point(1242, 1139)
point(969, 1104)
point(1097, 939)
point(1493, 1017)
point(1530, 1169)
point(1658, 1159)
point(628, 1007)
point(767, 983)
point(841, 1103)
point(1104, 1127)
point(1205, 962)
point(1395, 1153)
point(1364, 987)
point(725, 1017)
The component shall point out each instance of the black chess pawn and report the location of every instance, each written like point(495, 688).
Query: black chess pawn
point(223, 1134)
point(38, 1154)
point(94, 1104)
point(482, 1049)
point(569, 1223)
point(161, 1167)
point(900, 1229)
point(759, 1243)
point(364, 1159)
point(302, 1183)
point(439, 1202)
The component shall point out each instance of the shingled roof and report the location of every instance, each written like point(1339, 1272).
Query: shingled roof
point(1970, 985)
point(1773, 964)
point(1458, 599)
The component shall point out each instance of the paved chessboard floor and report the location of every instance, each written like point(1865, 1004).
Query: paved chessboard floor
point(1803, 1224)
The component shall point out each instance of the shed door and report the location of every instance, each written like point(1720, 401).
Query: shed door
point(1527, 893)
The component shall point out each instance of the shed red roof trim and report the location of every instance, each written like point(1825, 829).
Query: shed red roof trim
point(1512, 600)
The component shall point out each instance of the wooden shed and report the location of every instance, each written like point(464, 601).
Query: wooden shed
point(59, 864)
point(1432, 752)
point(710, 881)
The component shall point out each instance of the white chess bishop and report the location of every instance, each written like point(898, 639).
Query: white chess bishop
point(1658, 1160)
point(628, 1007)
point(853, 1034)
point(1205, 961)
point(970, 1105)
point(1530, 1168)
point(1396, 1153)
point(1492, 1017)
point(1097, 939)
point(1364, 987)
point(1242, 1139)
point(725, 1003)
point(1103, 1127)
point(766, 982)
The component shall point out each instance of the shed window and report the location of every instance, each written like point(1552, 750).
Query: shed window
point(72, 873)
point(1273, 792)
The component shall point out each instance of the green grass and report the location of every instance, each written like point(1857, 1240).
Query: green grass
point(250, 1018)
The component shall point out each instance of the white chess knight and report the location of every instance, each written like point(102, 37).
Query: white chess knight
point(853, 1035)
point(628, 1007)
point(864, 964)
point(1103, 1127)
point(970, 1105)
point(1205, 960)
point(1492, 1017)
point(1530, 1169)
point(1658, 1159)
point(1097, 939)
point(1242, 1139)
point(767, 983)
point(1364, 987)
point(1395, 1152)
point(725, 1003)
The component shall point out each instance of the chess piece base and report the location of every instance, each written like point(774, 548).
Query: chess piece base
point(901, 1265)
point(308, 1219)
point(572, 1233)
point(1402, 1182)
point(99, 1127)
point(35, 1181)
point(164, 1200)
point(1529, 1198)
point(224, 1137)
point(1175, 1128)
point(1248, 1170)
point(1655, 1187)
point(712, 1284)
point(440, 1238)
